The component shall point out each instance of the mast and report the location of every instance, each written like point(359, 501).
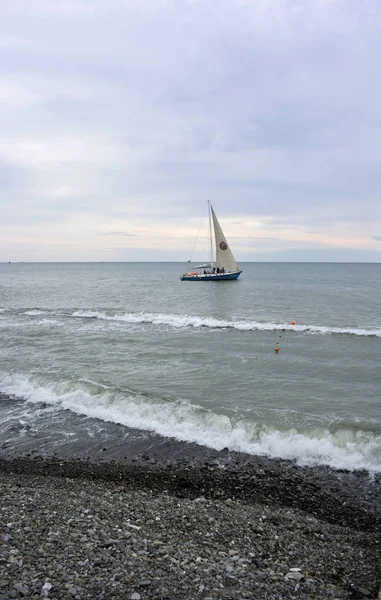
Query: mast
point(210, 234)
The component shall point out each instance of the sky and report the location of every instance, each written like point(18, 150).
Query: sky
point(119, 119)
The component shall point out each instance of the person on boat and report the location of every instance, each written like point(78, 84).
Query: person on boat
point(218, 269)
point(214, 269)
point(222, 270)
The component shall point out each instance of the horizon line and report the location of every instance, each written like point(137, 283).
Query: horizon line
point(321, 262)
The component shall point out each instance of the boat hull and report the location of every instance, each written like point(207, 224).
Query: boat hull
point(211, 276)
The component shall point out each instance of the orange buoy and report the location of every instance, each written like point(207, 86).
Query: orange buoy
point(293, 322)
point(276, 349)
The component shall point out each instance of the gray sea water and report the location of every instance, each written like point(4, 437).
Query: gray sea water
point(130, 343)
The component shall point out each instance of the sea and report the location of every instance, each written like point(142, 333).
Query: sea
point(128, 351)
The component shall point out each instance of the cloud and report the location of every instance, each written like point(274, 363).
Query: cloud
point(132, 114)
point(343, 255)
point(119, 233)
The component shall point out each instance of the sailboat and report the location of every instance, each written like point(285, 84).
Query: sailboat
point(224, 267)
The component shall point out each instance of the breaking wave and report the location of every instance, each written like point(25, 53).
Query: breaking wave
point(187, 321)
point(347, 447)
point(182, 321)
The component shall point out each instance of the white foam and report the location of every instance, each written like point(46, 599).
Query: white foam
point(348, 449)
point(49, 322)
point(182, 321)
point(198, 322)
point(12, 323)
point(4, 323)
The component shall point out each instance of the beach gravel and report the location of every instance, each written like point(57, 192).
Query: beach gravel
point(75, 538)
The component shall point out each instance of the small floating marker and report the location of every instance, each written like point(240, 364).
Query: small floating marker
point(276, 349)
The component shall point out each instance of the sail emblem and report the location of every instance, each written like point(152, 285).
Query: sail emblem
point(223, 245)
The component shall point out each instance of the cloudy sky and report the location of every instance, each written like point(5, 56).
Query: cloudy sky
point(120, 118)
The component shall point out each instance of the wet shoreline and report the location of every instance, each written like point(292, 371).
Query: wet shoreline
point(350, 499)
point(109, 451)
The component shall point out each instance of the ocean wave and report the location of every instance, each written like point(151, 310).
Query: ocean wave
point(345, 448)
point(192, 321)
point(184, 321)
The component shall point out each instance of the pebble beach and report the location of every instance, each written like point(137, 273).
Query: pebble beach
point(74, 529)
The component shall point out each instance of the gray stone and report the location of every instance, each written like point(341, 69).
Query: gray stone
point(294, 575)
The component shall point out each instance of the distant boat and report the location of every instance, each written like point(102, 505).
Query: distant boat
point(224, 267)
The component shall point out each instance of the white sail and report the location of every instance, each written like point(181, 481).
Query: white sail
point(224, 256)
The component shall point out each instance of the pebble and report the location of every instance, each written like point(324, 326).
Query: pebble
point(295, 575)
point(88, 541)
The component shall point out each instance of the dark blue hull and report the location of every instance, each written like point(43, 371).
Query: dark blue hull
point(211, 277)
